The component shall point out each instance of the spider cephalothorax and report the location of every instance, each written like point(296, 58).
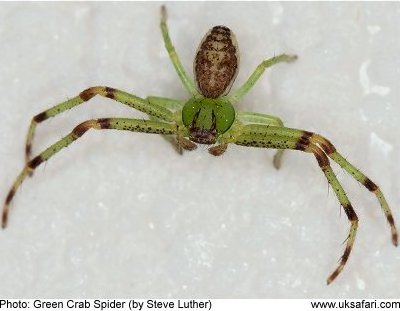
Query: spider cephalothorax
point(208, 117)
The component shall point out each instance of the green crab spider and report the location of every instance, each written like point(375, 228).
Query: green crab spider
point(209, 117)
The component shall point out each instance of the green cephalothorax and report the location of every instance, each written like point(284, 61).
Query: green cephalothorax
point(207, 118)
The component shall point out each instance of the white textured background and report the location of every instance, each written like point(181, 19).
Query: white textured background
point(121, 214)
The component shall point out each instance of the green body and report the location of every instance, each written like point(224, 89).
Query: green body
point(208, 121)
point(207, 118)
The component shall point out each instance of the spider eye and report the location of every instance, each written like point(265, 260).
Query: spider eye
point(216, 62)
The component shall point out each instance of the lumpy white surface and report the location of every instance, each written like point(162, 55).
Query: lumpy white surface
point(122, 214)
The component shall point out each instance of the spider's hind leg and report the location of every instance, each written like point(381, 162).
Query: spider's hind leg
point(236, 95)
point(186, 80)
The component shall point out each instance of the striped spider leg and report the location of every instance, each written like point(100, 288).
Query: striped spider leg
point(165, 127)
point(270, 136)
point(209, 117)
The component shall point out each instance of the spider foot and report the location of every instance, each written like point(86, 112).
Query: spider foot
point(163, 14)
point(395, 239)
point(4, 217)
point(291, 58)
point(277, 161)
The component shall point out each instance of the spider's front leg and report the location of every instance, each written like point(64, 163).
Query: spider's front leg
point(331, 151)
point(269, 137)
point(266, 136)
point(123, 124)
point(159, 108)
point(251, 118)
point(179, 142)
point(258, 118)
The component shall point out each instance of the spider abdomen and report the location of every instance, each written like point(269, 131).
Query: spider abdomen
point(216, 62)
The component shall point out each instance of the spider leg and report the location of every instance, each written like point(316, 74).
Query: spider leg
point(187, 82)
point(134, 125)
point(248, 85)
point(330, 150)
point(258, 118)
point(267, 136)
point(176, 106)
point(323, 162)
point(152, 106)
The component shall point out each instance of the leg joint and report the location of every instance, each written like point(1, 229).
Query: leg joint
point(35, 162)
point(82, 128)
point(321, 157)
point(351, 214)
point(325, 144)
point(40, 117)
point(104, 91)
point(370, 185)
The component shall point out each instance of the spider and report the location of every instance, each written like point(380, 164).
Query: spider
point(208, 117)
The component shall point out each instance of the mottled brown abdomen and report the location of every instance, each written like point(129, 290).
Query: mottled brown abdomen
point(216, 63)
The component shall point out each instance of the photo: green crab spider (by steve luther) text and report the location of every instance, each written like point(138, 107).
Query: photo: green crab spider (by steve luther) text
point(209, 117)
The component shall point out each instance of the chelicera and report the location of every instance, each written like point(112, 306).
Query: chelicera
point(209, 117)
